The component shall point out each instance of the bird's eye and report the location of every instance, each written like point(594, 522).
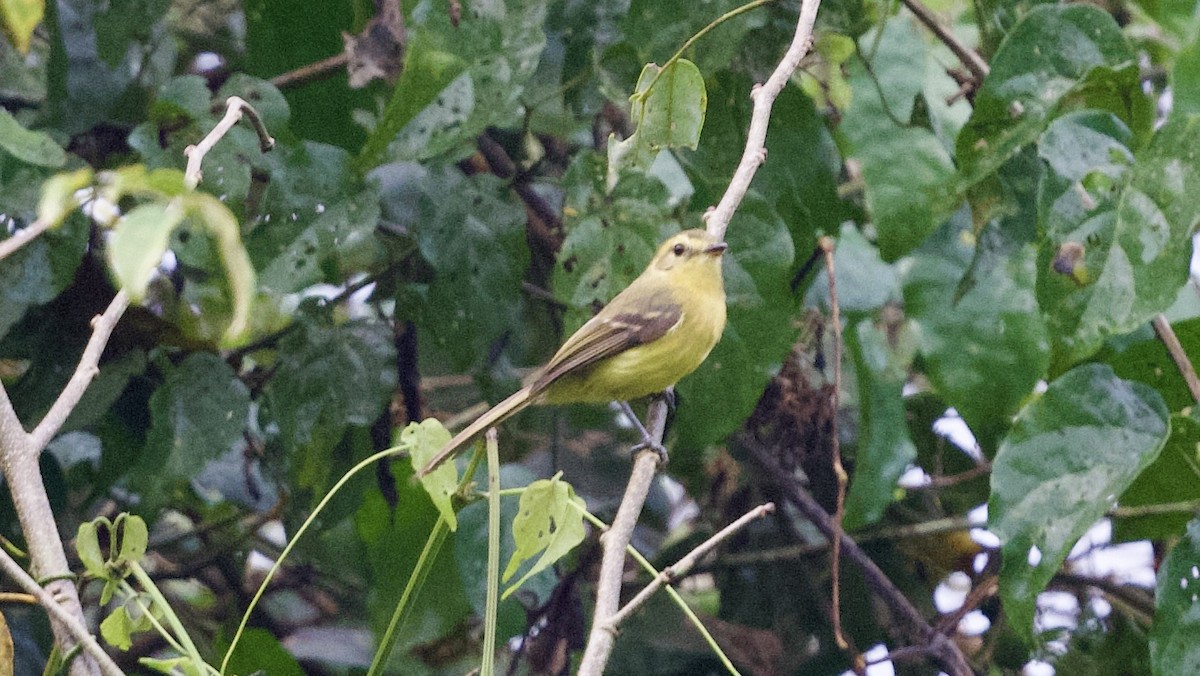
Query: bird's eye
point(679, 249)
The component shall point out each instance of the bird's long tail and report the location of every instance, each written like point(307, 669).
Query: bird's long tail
point(494, 416)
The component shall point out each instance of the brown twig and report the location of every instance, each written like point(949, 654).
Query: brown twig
point(912, 624)
point(969, 57)
point(1167, 335)
point(826, 245)
point(685, 564)
point(312, 71)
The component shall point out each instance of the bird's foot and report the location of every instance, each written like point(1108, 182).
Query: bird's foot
point(648, 444)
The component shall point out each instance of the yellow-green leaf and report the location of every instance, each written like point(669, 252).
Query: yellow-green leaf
point(139, 241)
point(20, 17)
point(546, 522)
point(423, 440)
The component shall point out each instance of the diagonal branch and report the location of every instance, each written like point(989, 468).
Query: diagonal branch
point(89, 367)
point(969, 57)
point(22, 237)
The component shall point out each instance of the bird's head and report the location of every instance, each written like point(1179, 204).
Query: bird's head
point(691, 249)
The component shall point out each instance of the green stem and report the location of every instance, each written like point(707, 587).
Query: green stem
point(150, 588)
point(488, 665)
point(262, 588)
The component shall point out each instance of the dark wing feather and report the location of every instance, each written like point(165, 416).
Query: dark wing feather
point(607, 334)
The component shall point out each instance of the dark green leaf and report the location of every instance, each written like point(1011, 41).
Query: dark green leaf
point(984, 348)
point(29, 146)
point(1056, 58)
point(1147, 361)
point(196, 415)
point(258, 651)
point(1118, 236)
point(476, 246)
point(905, 168)
point(882, 356)
point(329, 377)
point(38, 271)
point(1173, 477)
point(1070, 453)
point(1175, 636)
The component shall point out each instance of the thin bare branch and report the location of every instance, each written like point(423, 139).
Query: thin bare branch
point(22, 237)
point(685, 564)
point(235, 108)
point(88, 368)
point(80, 632)
point(1167, 335)
point(717, 218)
point(612, 565)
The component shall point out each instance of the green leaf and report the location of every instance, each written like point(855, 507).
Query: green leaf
point(118, 629)
point(33, 147)
point(261, 652)
point(550, 521)
point(133, 537)
point(138, 243)
point(882, 356)
point(905, 168)
point(1070, 453)
point(58, 195)
point(329, 377)
point(983, 347)
point(40, 270)
point(196, 415)
point(668, 108)
point(1058, 57)
point(423, 440)
point(496, 52)
point(87, 544)
point(864, 282)
point(1147, 361)
point(1173, 477)
point(20, 17)
point(476, 246)
point(1175, 635)
point(1118, 237)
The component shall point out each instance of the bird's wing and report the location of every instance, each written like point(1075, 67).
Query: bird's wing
point(607, 334)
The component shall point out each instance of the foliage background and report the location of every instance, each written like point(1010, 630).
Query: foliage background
point(1002, 248)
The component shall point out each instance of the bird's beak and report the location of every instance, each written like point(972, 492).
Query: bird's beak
point(716, 249)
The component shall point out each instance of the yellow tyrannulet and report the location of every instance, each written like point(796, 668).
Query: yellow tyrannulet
point(656, 331)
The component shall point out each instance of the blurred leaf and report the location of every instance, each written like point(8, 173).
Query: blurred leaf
point(905, 167)
point(138, 243)
point(20, 17)
point(1173, 477)
point(223, 227)
point(1118, 238)
point(986, 348)
point(58, 195)
point(196, 415)
point(260, 652)
point(882, 356)
point(1175, 635)
point(40, 270)
point(33, 147)
point(657, 28)
point(1057, 58)
point(1185, 77)
point(719, 394)
point(476, 246)
point(423, 441)
point(1070, 453)
point(549, 521)
point(667, 109)
point(328, 377)
point(499, 45)
point(121, 24)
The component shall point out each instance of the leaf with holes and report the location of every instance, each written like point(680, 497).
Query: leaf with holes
point(1070, 453)
point(423, 440)
point(668, 108)
point(550, 521)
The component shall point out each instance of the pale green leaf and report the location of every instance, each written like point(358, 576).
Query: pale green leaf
point(549, 521)
point(423, 440)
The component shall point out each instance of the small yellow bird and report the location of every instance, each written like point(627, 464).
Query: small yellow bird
point(656, 331)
